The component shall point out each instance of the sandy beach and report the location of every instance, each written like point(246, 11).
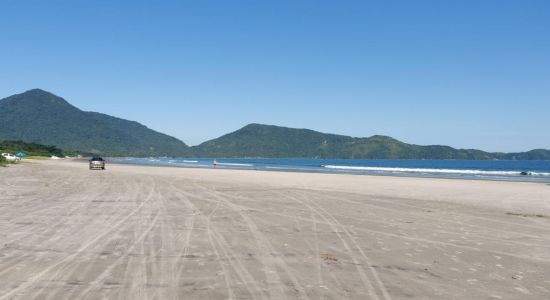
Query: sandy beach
point(137, 232)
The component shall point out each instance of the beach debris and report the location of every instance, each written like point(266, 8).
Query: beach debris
point(517, 277)
point(525, 215)
point(328, 257)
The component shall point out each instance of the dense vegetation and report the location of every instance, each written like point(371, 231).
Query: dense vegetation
point(41, 117)
point(536, 154)
point(271, 141)
point(256, 140)
point(31, 149)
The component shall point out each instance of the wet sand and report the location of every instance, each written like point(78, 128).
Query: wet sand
point(136, 232)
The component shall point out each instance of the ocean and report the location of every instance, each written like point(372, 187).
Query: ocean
point(465, 169)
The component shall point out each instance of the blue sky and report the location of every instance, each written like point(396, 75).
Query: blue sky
point(470, 74)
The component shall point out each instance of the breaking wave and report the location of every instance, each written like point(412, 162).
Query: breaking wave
point(235, 164)
point(438, 171)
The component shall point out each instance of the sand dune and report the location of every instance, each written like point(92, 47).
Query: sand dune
point(134, 232)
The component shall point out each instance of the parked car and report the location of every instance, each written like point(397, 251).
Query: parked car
point(10, 157)
point(97, 163)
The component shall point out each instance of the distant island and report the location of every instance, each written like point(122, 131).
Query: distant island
point(37, 116)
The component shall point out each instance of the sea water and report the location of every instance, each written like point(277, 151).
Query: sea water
point(467, 169)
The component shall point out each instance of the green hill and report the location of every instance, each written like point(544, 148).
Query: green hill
point(41, 117)
point(537, 154)
point(257, 140)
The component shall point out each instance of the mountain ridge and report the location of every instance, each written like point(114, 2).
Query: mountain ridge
point(42, 117)
point(270, 141)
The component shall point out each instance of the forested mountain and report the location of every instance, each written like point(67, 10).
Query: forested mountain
point(41, 117)
point(257, 140)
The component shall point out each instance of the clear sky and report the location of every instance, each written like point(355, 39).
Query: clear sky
point(470, 74)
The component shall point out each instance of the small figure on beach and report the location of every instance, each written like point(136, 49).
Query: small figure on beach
point(214, 164)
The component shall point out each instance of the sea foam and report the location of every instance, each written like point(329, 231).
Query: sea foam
point(235, 164)
point(427, 170)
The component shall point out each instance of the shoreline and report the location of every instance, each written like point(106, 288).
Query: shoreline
point(522, 178)
point(429, 188)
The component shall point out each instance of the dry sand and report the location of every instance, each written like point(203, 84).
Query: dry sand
point(134, 232)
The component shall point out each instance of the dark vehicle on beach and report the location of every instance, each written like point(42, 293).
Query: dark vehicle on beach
point(97, 163)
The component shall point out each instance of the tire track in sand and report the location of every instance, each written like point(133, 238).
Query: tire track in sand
point(230, 292)
point(246, 278)
point(275, 284)
point(335, 225)
point(33, 279)
point(75, 268)
point(99, 280)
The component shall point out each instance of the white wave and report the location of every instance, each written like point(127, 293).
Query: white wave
point(286, 168)
point(426, 170)
point(191, 161)
point(539, 173)
point(193, 165)
point(235, 164)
